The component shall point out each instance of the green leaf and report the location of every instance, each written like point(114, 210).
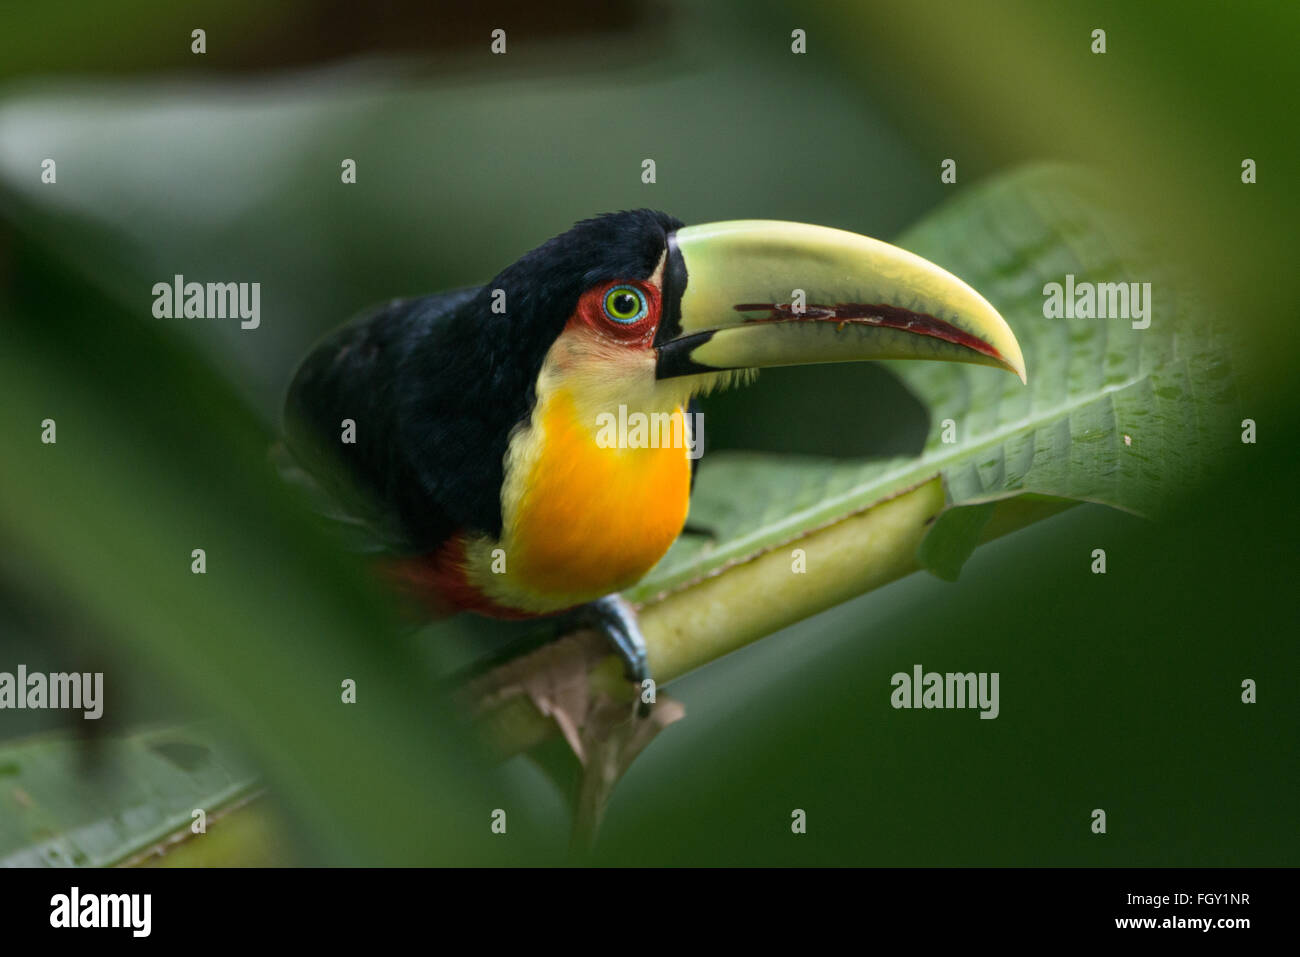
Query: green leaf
point(147, 786)
point(1112, 414)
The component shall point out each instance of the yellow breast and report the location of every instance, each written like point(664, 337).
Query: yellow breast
point(582, 520)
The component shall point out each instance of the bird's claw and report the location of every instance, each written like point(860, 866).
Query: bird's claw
point(614, 617)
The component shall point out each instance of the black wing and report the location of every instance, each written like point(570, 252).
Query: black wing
point(408, 479)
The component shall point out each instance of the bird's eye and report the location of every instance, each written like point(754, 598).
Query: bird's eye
point(625, 304)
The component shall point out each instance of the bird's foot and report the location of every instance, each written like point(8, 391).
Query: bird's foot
point(614, 617)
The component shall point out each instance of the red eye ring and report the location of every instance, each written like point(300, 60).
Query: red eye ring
point(626, 310)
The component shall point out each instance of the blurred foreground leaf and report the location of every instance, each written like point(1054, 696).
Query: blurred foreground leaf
point(155, 457)
point(146, 787)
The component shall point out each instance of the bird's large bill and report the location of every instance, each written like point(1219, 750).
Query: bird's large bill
point(757, 293)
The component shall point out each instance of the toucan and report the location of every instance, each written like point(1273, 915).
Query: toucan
point(460, 429)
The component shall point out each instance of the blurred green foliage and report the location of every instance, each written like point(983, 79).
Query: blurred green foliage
point(1119, 691)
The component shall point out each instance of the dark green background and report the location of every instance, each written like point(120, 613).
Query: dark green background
point(1120, 692)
